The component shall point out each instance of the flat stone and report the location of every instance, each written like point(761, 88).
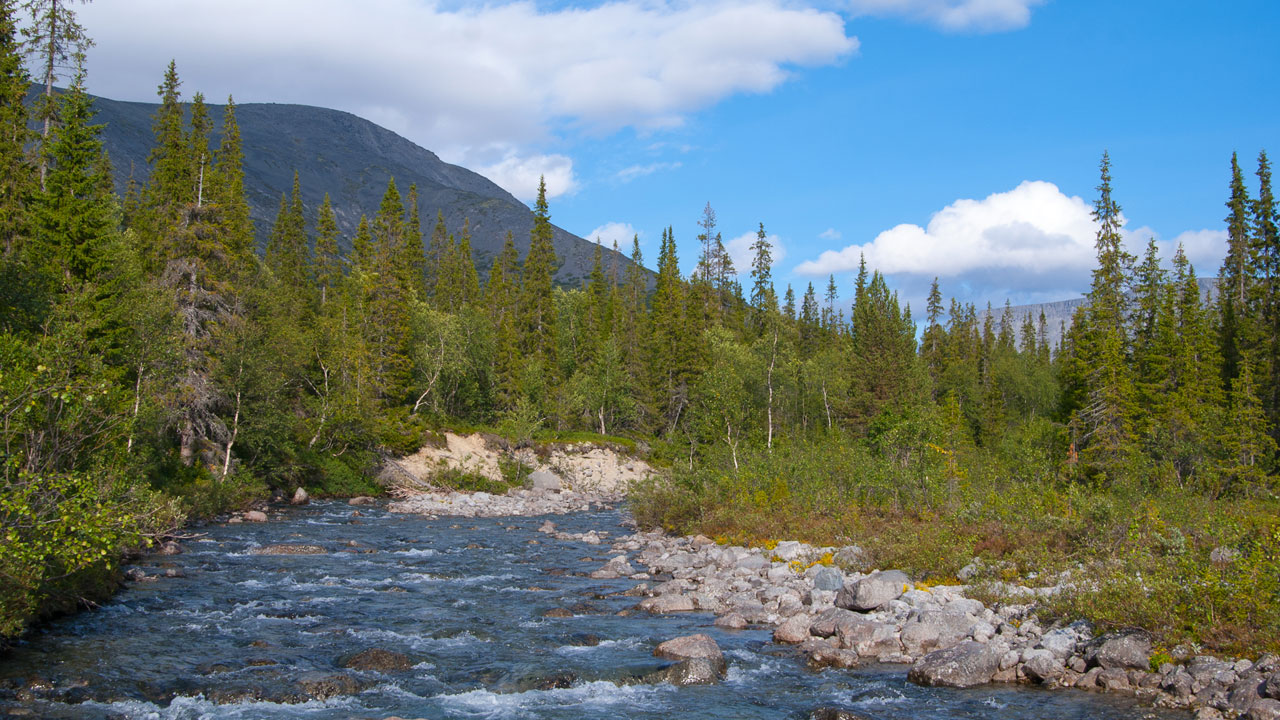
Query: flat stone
point(965, 665)
point(669, 603)
point(873, 591)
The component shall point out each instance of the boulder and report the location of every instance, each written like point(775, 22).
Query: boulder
point(169, 547)
point(965, 665)
point(289, 549)
point(1122, 651)
point(695, 671)
point(693, 647)
point(933, 629)
point(254, 516)
point(794, 630)
point(829, 579)
point(832, 657)
point(322, 685)
point(1271, 687)
point(300, 497)
point(1266, 709)
point(873, 591)
point(669, 603)
point(360, 500)
point(752, 562)
point(789, 550)
point(869, 638)
point(826, 624)
point(378, 660)
point(543, 480)
point(1060, 642)
point(731, 621)
point(1042, 666)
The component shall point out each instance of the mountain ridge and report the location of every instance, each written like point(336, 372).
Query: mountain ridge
point(351, 159)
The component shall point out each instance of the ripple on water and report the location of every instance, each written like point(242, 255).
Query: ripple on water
point(594, 697)
point(198, 708)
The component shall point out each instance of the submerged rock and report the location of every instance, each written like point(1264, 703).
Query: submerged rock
point(289, 549)
point(322, 685)
point(379, 660)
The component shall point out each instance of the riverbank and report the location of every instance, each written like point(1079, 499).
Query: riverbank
point(838, 612)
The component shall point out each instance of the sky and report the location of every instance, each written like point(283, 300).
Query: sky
point(957, 139)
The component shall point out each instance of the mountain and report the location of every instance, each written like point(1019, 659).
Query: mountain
point(351, 159)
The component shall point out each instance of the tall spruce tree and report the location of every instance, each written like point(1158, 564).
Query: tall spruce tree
point(227, 187)
point(15, 169)
point(1265, 261)
point(763, 298)
point(326, 262)
point(538, 315)
point(1235, 281)
point(57, 42)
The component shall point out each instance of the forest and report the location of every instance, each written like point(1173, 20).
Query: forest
point(156, 367)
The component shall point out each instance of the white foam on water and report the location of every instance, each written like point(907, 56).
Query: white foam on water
point(415, 552)
point(631, 643)
point(991, 702)
point(599, 696)
point(198, 708)
point(418, 642)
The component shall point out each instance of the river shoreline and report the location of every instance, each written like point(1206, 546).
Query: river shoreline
point(844, 618)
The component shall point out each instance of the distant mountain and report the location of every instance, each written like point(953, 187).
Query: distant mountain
point(351, 159)
point(1059, 315)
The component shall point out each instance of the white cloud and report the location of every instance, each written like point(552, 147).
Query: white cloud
point(611, 232)
point(631, 173)
point(1033, 229)
point(519, 175)
point(954, 15)
point(1204, 248)
point(831, 234)
point(467, 81)
point(740, 252)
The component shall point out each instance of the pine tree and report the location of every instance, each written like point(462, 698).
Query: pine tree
point(789, 303)
point(75, 214)
point(1099, 377)
point(414, 260)
point(326, 264)
point(1250, 451)
point(810, 321)
point(829, 321)
point(469, 287)
point(437, 256)
point(1265, 263)
point(287, 245)
point(763, 299)
point(934, 337)
point(58, 43)
point(1150, 356)
point(1235, 283)
point(501, 302)
point(537, 303)
point(227, 187)
point(669, 369)
point(16, 175)
point(362, 253)
point(168, 189)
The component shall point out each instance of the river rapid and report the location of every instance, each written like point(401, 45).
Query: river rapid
point(244, 635)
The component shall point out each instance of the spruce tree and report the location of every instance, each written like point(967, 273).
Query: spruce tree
point(1101, 395)
point(1235, 282)
point(227, 189)
point(1265, 262)
point(763, 299)
point(438, 251)
point(75, 214)
point(57, 42)
point(287, 253)
point(326, 262)
point(16, 177)
point(469, 285)
point(668, 352)
point(501, 302)
point(537, 304)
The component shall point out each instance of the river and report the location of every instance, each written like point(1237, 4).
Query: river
point(242, 635)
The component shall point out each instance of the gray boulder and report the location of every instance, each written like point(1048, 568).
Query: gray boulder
point(827, 623)
point(1266, 709)
point(873, 591)
point(829, 579)
point(965, 665)
point(1271, 688)
point(300, 497)
point(695, 671)
point(1120, 651)
point(1042, 666)
point(255, 516)
point(669, 603)
point(693, 647)
point(543, 480)
point(794, 630)
point(934, 629)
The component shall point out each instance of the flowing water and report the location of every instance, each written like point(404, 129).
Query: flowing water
point(242, 635)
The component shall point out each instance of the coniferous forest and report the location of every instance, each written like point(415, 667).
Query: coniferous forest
point(157, 367)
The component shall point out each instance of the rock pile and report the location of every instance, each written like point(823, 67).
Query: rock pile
point(521, 501)
point(841, 617)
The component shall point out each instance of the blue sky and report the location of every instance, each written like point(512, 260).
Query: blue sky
point(957, 138)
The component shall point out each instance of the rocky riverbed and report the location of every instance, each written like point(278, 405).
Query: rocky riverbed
point(839, 613)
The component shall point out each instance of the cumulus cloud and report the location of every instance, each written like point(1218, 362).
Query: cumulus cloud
point(1034, 229)
point(954, 15)
point(740, 252)
point(631, 173)
point(519, 175)
point(468, 81)
point(611, 232)
point(1033, 243)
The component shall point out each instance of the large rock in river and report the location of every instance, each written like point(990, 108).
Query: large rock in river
point(1120, 651)
point(289, 549)
point(965, 665)
point(873, 591)
point(689, 647)
point(378, 660)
